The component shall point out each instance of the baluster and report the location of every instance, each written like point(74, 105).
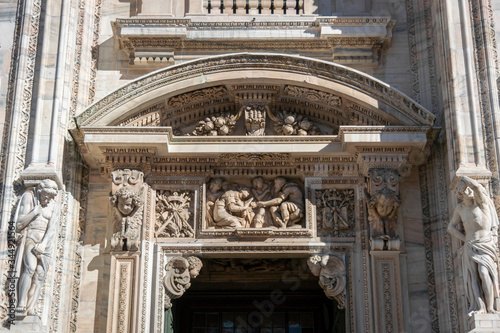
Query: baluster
point(278, 7)
point(241, 7)
point(290, 7)
point(253, 7)
point(266, 7)
point(216, 6)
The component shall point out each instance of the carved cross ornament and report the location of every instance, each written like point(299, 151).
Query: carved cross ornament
point(332, 276)
point(178, 275)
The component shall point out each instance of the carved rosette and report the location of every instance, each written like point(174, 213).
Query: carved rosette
point(332, 276)
point(179, 272)
point(174, 214)
point(383, 201)
point(335, 212)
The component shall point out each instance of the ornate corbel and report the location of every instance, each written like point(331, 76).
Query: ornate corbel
point(383, 200)
point(332, 276)
point(128, 207)
point(179, 272)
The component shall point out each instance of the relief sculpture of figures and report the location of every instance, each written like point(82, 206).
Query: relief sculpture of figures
point(36, 221)
point(475, 222)
point(232, 206)
point(287, 206)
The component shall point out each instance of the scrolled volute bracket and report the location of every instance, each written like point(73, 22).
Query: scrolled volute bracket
point(178, 275)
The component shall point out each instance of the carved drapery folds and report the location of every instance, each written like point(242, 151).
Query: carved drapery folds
point(332, 276)
point(383, 201)
point(279, 203)
point(179, 272)
point(128, 207)
point(173, 214)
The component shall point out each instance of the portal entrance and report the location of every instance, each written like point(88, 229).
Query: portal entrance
point(256, 296)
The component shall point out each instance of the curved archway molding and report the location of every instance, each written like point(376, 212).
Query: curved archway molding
point(255, 67)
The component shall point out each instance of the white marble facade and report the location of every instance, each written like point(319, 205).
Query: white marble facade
point(156, 151)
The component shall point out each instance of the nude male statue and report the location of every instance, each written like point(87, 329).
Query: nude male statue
point(36, 224)
point(478, 216)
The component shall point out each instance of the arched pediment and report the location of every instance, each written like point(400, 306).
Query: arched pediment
point(326, 94)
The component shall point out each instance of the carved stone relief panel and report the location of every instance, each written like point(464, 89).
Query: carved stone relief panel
point(335, 212)
point(176, 206)
point(334, 205)
point(254, 203)
point(174, 214)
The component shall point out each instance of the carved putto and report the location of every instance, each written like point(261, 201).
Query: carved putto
point(332, 276)
point(128, 219)
point(335, 211)
point(36, 221)
point(475, 223)
point(173, 214)
point(231, 206)
point(383, 203)
point(289, 123)
point(178, 275)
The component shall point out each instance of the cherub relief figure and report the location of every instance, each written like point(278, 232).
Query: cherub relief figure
point(230, 211)
point(287, 206)
point(36, 224)
point(127, 220)
point(477, 216)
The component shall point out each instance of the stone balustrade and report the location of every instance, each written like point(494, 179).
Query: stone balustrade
point(254, 7)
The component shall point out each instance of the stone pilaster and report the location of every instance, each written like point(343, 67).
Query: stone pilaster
point(387, 298)
point(123, 296)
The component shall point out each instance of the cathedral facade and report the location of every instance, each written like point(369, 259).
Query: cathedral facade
point(249, 166)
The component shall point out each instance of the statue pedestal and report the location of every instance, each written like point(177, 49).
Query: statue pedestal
point(484, 323)
point(387, 302)
point(123, 292)
point(27, 324)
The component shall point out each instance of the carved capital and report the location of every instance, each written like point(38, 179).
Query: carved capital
point(380, 160)
point(332, 276)
point(179, 272)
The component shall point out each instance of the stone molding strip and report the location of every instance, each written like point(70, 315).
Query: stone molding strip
point(408, 108)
